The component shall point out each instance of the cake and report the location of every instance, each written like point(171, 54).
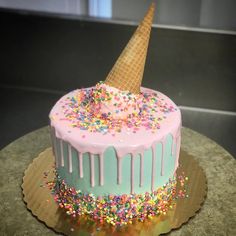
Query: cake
point(116, 144)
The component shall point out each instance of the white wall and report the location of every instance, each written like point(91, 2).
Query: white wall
point(215, 14)
point(218, 13)
point(53, 6)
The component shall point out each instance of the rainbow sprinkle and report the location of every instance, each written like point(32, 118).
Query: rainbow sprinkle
point(115, 210)
point(145, 110)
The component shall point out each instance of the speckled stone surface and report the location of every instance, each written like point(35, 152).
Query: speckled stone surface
point(217, 216)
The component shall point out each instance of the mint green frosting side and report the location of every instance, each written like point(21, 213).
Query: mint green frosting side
point(110, 171)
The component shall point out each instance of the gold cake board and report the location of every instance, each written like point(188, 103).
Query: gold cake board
point(40, 202)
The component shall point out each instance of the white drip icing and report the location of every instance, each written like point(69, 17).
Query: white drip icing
point(69, 159)
point(119, 169)
point(178, 141)
point(92, 181)
point(173, 146)
point(153, 166)
point(54, 146)
point(62, 153)
point(141, 169)
point(81, 173)
point(163, 144)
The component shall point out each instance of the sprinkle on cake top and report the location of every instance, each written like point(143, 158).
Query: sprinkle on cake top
point(106, 110)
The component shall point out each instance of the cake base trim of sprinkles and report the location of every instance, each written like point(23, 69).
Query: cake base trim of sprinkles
point(118, 210)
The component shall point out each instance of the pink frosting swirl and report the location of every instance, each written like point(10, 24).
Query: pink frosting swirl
point(114, 103)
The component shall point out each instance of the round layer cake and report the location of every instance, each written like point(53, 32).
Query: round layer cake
point(116, 152)
point(96, 156)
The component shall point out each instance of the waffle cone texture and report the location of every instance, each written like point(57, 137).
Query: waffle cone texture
point(127, 73)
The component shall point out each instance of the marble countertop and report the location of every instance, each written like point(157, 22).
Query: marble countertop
point(216, 217)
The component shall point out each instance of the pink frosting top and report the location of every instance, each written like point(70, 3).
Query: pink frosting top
point(127, 140)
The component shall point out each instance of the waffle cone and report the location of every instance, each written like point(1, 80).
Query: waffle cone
point(127, 73)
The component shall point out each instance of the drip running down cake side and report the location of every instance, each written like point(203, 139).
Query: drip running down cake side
point(116, 145)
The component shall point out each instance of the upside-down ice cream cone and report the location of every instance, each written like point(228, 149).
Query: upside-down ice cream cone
point(127, 73)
